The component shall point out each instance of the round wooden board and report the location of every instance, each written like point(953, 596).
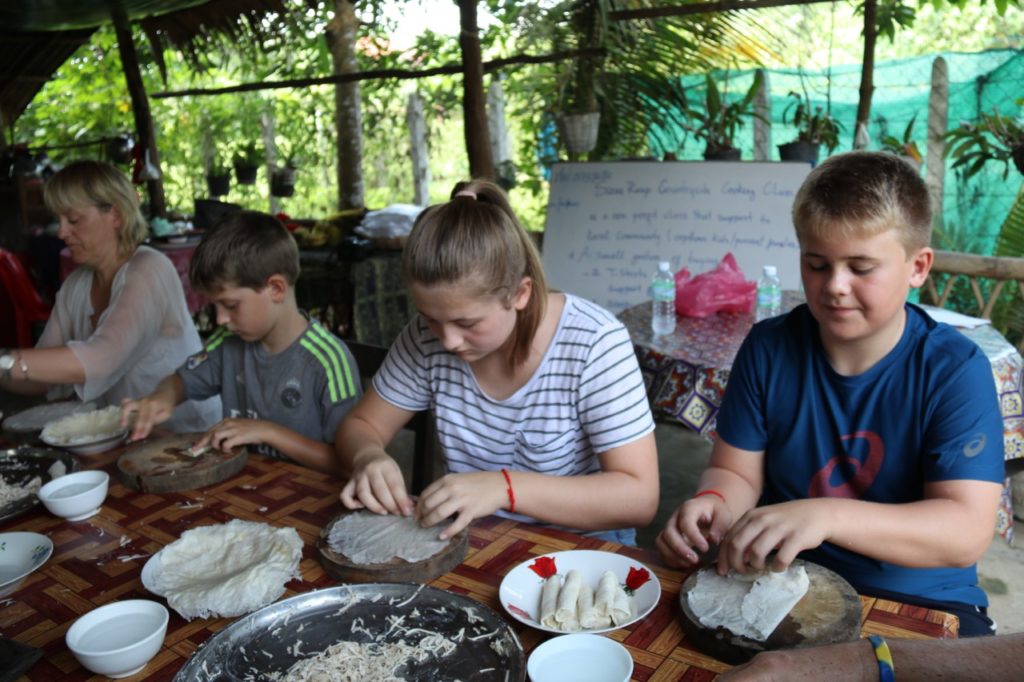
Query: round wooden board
point(339, 567)
point(828, 613)
point(160, 466)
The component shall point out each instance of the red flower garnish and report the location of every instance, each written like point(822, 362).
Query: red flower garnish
point(636, 578)
point(544, 567)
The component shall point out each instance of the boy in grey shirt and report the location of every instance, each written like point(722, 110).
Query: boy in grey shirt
point(284, 380)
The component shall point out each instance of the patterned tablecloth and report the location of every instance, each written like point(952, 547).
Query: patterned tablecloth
point(686, 373)
point(99, 560)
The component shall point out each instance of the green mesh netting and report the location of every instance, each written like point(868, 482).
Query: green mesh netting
point(973, 211)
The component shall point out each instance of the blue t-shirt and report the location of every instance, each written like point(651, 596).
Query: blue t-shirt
point(925, 412)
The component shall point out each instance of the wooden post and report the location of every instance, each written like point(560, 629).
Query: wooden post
point(418, 149)
point(496, 120)
point(140, 108)
point(867, 73)
point(763, 126)
point(938, 119)
point(348, 113)
point(267, 129)
point(478, 147)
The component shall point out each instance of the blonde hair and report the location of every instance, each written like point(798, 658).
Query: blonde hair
point(95, 183)
point(863, 193)
point(476, 235)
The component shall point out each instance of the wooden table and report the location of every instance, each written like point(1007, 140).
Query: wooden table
point(90, 566)
point(686, 372)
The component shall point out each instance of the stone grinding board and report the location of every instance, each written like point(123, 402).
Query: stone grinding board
point(339, 567)
point(827, 614)
point(159, 466)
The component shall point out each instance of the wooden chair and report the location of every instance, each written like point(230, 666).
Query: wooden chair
point(369, 358)
point(999, 269)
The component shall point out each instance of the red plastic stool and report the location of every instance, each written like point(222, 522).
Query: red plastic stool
point(21, 306)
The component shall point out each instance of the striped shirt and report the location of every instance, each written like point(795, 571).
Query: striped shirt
point(308, 387)
point(586, 397)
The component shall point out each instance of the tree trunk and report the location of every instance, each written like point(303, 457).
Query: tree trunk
point(418, 149)
point(474, 111)
point(348, 113)
point(867, 73)
point(938, 119)
point(140, 109)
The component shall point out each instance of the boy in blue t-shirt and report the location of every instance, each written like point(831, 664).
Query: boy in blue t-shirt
point(855, 431)
point(285, 382)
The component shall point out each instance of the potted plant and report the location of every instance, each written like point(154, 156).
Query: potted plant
point(218, 177)
point(904, 147)
point(994, 137)
point(717, 122)
point(282, 178)
point(246, 162)
point(815, 127)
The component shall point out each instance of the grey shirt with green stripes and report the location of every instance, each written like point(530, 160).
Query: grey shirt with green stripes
point(308, 387)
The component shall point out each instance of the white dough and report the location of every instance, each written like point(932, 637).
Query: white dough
point(621, 611)
point(604, 599)
point(228, 569)
point(566, 614)
point(589, 619)
point(366, 538)
point(749, 605)
point(549, 601)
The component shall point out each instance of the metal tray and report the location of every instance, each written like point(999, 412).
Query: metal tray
point(18, 466)
point(272, 639)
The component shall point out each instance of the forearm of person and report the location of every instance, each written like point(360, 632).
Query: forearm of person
point(938, 531)
point(367, 430)
point(738, 491)
point(46, 366)
point(314, 454)
point(624, 494)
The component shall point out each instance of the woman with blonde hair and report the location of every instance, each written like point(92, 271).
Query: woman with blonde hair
point(120, 322)
point(538, 399)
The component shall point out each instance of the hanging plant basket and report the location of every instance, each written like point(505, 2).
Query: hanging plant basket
point(218, 184)
point(282, 182)
point(799, 150)
point(245, 174)
point(579, 131)
point(1017, 153)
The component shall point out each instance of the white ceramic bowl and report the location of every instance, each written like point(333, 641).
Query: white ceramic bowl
point(91, 447)
point(20, 554)
point(580, 658)
point(76, 496)
point(118, 639)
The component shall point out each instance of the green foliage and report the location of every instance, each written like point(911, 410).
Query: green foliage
point(818, 127)
point(249, 154)
point(905, 146)
point(994, 137)
point(718, 121)
point(1008, 315)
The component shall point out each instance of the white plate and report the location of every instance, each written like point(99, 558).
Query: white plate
point(520, 590)
point(580, 656)
point(89, 447)
point(20, 554)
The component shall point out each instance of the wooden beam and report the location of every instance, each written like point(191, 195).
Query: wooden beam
point(398, 74)
point(703, 8)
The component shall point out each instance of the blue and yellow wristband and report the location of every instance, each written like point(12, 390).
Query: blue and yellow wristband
point(886, 670)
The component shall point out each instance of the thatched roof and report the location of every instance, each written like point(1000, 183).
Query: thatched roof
point(38, 37)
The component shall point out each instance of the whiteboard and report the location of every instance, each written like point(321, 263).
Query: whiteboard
point(609, 223)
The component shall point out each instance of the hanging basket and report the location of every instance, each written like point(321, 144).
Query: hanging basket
point(245, 174)
point(722, 154)
point(219, 185)
point(579, 131)
point(282, 182)
point(1017, 153)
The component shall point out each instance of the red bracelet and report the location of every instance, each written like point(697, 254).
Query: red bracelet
point(710, 492)
point(511, 494)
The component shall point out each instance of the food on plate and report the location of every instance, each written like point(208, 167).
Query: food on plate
point(749, 605)
point(33, 419)
point(84, 427)
point(366, 661)
point(578, 607)
point(225, 570)
point(11, 491)
point(365, 538)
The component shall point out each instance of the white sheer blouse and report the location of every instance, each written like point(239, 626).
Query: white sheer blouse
point(144, 335)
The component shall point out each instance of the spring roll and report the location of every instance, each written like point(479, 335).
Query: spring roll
point(549, 602)
point(622, 607)
point(589, 619)
point(565, 614)
point(604, 599)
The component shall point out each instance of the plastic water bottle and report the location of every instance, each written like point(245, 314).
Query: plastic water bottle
point(663, 300)
point(769, 294)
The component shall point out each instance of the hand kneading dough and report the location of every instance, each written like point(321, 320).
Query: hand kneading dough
point(366, 538)
point(228, 569)
point(750, 605)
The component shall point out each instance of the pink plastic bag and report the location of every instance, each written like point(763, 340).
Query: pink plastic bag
point(722, 290)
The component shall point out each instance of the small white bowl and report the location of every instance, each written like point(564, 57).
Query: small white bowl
point(118, 639)
point(580, 658)
point(20, 554)
point(76, 496)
